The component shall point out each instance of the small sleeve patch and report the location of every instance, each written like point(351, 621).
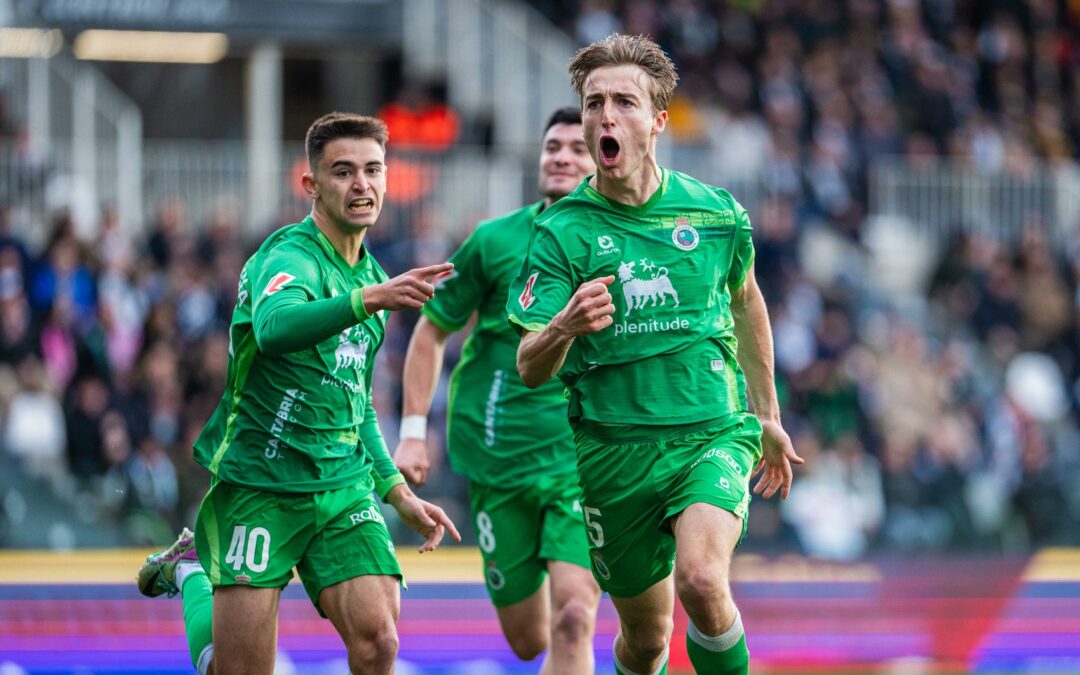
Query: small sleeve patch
point(278, 282)
point(526, 299)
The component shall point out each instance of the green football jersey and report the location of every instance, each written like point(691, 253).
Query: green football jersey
point(298, 417)
point(669, 356)
point(500, 431)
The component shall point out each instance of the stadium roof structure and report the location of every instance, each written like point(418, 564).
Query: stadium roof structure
point(287, 21)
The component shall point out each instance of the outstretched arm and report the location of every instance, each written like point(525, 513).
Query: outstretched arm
point(287, 321)
point(755, 356)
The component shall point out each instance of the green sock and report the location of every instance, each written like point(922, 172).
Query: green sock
point(198, 597)
point(721, 655)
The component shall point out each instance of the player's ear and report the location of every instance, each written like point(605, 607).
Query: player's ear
point(310, 187)
point(660, 123)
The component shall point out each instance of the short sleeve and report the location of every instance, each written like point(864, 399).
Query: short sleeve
point(460, 293)
point(743, 255)
point(543, 286)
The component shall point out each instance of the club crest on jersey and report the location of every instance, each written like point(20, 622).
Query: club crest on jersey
point(684, 235)
point(527, 299)
point(277, 282)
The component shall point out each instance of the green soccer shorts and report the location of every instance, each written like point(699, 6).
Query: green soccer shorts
point(255, 538)
point(631, 490)
point(519, 529)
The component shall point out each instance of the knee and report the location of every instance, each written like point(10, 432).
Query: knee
point(374, 651)
point(574, 621)
point(647, 641)
point(528, 644)
point(701, 587)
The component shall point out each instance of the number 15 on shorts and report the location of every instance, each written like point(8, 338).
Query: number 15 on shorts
point(252, 548)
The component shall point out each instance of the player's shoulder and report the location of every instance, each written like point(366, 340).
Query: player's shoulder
point(708, 196)
point(297, 237)
point(294, 245)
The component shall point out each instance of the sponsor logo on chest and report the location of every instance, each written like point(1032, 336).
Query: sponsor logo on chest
point(644, 286)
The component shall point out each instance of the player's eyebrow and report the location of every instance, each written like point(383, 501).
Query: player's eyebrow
point(613, 94)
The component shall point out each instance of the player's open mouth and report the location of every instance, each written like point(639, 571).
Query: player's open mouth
point(609, 150)
point(358, 206)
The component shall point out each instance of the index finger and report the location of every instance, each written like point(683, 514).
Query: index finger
point(431, 270)
point(443, 519)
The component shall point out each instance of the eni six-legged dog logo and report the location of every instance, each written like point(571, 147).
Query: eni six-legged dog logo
point(657, 287)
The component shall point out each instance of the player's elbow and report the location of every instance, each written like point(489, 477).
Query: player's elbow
point(269, 342)
point(530, 377)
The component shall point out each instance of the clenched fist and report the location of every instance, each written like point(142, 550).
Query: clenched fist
point(589, 309)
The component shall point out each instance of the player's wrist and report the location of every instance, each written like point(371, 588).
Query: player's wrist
point(413, 427)
point(371, 299)
point(359, 307)
point(558, 329)
point(397, 493)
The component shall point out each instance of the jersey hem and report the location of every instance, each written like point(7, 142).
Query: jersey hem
point(533, 326)
point(361, 480)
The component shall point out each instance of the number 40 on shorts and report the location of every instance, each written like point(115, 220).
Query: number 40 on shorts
point(251, 548)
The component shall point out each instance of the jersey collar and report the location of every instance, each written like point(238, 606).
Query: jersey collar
point(591, 193)
point(331, 252)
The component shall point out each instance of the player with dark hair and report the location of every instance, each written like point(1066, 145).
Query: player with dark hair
point(294, 445)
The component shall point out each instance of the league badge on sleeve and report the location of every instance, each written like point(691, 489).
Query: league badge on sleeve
point(526, 299)
point(684, 235)
point(277, 283)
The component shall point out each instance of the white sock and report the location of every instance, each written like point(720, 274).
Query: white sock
point(205, 657)
point(624, 669)
point(186, 568)
point(718, 643)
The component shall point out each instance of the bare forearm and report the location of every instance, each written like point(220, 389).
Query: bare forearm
point(541, 355)
point(423, 363)
point(755, 354)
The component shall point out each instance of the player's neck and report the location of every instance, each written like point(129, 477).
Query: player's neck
point(635, 189)
point(347, 244)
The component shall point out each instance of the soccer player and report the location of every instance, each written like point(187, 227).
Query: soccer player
point(513, 444)
point(639, 292)
point(294, 446)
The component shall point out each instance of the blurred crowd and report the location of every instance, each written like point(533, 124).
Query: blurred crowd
point(943, 419)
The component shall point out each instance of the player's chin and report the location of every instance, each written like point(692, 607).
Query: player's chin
point(613, 170)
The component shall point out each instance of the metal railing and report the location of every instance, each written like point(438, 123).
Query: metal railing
point(939, 200)
point(447, 193)
point(74, 134)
